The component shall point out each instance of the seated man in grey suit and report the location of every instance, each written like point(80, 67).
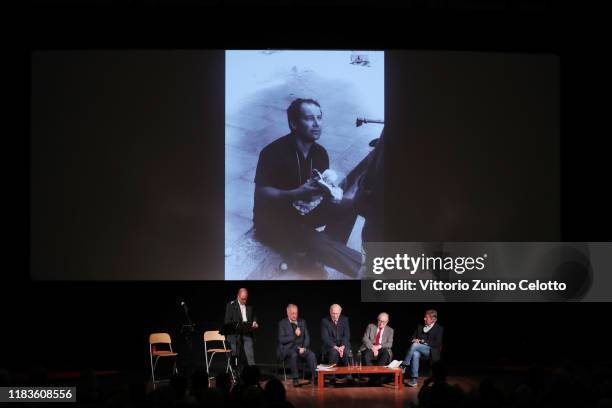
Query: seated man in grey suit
point(293, 343)
point(377, 342)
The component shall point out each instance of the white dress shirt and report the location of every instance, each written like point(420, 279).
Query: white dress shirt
point(243, 311)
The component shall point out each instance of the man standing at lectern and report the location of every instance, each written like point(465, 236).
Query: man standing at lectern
point(238, 311)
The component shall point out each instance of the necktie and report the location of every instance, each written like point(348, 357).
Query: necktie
point(377, 341)
point(337, 334)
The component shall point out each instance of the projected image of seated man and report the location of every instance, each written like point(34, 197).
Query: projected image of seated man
point(298, 209)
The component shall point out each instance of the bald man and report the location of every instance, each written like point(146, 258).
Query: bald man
point(238, 311)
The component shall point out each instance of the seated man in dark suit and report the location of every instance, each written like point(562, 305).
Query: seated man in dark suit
point(293, 343)
point(426, 343)
point(336, 338)
point(377, 342)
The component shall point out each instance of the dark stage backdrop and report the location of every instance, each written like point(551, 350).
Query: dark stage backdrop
point(475, 147)
point(127, 164)
point(127, 157)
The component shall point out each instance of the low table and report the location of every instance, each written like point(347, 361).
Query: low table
point(398, 376)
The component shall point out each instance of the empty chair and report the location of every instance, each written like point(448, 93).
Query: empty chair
point(155, 354)
point(209, 353)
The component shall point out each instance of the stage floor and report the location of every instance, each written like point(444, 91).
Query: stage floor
point(361, 394)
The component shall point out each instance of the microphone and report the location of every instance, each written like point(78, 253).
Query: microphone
point(182, 303)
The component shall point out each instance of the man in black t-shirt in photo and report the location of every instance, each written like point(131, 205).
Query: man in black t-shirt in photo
point(290, 205)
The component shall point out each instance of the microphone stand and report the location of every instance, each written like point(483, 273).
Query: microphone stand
point(187, 330)
point(186, 311)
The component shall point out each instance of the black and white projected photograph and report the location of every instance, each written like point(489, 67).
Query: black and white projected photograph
point(303, 133)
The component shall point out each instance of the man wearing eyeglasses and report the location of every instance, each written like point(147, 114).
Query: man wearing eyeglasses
point(377, 343)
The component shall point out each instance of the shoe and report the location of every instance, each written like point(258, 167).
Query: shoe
point(296, 382)
point(412, 382)
point(403, 367)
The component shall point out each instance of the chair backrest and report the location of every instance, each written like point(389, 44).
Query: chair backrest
point(213, 336)
point(155, 338)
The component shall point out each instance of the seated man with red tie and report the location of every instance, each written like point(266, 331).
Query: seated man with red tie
point(377, 343)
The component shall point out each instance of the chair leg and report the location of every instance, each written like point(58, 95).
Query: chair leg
point(155, 363)
point(284, 371)
point(154, 366)
point(152, 370)
point(229, 367)
point(206, 358)
point(212, 355)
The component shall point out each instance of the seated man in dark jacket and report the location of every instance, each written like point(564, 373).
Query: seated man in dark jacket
point(426, 343)
point(336, 337)
point(293, 343)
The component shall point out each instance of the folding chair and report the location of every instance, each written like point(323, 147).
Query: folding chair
point(214, 336)
point(160, 338)
point(283, 366)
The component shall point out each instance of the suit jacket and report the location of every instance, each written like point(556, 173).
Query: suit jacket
point(369, 337)
point(287, 342)
point(233, 314)
point(335, 336)
point(433, 338)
